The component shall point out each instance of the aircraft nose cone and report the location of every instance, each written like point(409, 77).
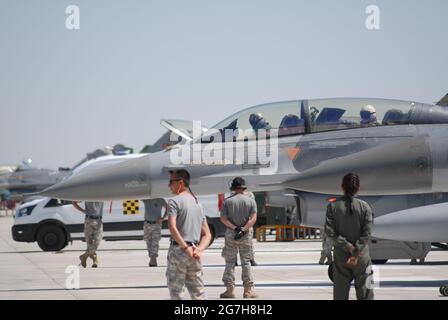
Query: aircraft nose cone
point(126, 180)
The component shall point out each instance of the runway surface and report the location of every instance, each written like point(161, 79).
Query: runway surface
point(287, 270)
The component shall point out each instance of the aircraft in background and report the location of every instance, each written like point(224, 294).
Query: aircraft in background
point(21, 182)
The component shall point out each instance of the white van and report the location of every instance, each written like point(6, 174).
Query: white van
point(53, 223)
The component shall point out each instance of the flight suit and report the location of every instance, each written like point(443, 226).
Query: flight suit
point(351, 227)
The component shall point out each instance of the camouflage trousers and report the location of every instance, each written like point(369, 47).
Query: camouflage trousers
point(152, 235)
point(252, 253)
point(231, 248)
point(184, 271)
point(93, 232)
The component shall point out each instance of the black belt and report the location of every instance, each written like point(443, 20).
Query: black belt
point(150, 222)
point(189, 243)
point(94, 218)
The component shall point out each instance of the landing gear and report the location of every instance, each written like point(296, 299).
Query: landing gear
point(444, 290)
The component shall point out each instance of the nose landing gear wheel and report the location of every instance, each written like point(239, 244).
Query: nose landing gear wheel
point(444, 290)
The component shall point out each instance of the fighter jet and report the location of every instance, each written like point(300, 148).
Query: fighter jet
point(398, 149)
point(23, 181)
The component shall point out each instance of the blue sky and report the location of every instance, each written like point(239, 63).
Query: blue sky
point(64, 93)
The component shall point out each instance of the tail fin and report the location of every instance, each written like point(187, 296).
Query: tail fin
point(444, 101)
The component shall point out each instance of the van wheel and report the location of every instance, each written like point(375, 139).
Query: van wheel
point(444, 291)
point(330, 271)
point(383, 261)
point(51, 238)
point(213, 233)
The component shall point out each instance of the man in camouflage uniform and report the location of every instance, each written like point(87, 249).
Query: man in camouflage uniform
point(152, 227)
point(253, 263)
point(190, 236)
point(238, 214)
point(93, 230)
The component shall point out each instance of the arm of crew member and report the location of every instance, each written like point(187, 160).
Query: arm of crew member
point(366, 231)
point(251, 222)
point(206, 237)
point(227, 223)
point(76, 205)
point(330, 230)
point(166, 212)
point(164, 216)
point(175, 232)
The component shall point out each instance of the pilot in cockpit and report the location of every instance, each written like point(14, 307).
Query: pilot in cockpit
point(368, 116)
point(257, 121)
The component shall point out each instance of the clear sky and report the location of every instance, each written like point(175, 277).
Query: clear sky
point(64, 93)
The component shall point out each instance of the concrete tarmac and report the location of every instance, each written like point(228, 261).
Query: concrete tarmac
point(287, 270)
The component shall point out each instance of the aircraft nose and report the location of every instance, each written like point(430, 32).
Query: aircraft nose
point(129, 179)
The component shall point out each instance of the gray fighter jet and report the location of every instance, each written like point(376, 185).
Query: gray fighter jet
point(398, 148)
point(23, 181)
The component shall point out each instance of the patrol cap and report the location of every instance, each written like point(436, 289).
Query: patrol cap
point(238, 183)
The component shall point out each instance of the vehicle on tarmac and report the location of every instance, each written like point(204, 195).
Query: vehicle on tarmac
point(53, 223)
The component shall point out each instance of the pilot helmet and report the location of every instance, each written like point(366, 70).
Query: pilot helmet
point(254, 118)
point(257, 121)
point(368, 114)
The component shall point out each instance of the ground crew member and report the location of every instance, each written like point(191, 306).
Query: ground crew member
point(327, 246)
point(349, 223)
point(152, 227)
point(238, 214)
point(190, 236)
point(253, 263)
point(93, 230)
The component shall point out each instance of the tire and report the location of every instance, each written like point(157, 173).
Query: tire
point(444, 290)
point(213, 233)
point(51, 237)
point(330, 271)
point(382, 261)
